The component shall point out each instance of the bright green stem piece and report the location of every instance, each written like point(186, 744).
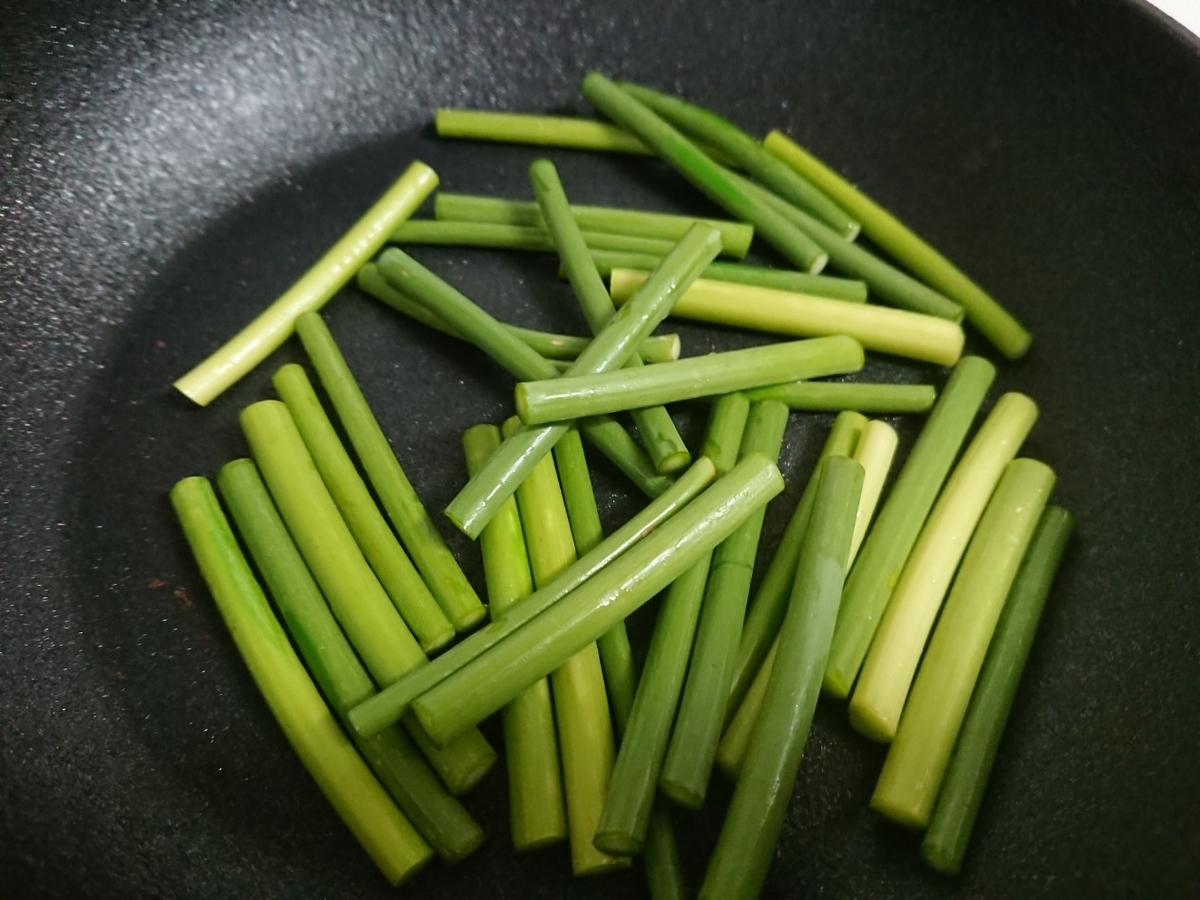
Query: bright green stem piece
point(379, 826)
point(896, 649)
point(958, 801)
point(656, 348)
point(885, 281)
point(820, 396)
point(545, 642)
point(616, 654)
point(708, 176)
point(746, 844)
point(536, 806)
point(995, 322)
point(627, 821)
point(658, 433)
point(735, 236)
point(881, 328)
point(375, 538)
point(390, 704)
point(274, 325)
point(543, 131)
point(397, 763)
point(688, 765)
point(781, 279)
point(767, 606)
point(436, 232)
point(890, 541)
point(433, 558)
point(874, 451)
point(916, 762)
point(629, 809)
point(726, 424)
point(359, 602)
point(612, 346)
point(489, 335)
point(580, 701)
point(661, 857)
point(745, 152)
point(576, 396)
point(731, 752)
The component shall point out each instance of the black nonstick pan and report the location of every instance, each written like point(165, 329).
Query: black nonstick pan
point(168, 168)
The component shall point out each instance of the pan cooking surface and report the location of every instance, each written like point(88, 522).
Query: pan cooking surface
point(169, 170)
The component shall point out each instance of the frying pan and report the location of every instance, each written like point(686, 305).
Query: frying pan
point(169, 168)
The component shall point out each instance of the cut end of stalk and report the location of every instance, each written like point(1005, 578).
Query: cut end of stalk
point(818, 264)
point(617, 843)
point(730, 763)
point(437, 642)
point(520, 402)
point(469, 778)
point(601, 865)
point(676, 346)
point(681, 795)
point(1014, 346)
point(906, 814)
point(939, 858)
point(470, 526)
point(674, 462)
point(834, 685)
point(870, 724)
point(190, 386)
point(550, 839)
point(470, 620)
point(853, 230)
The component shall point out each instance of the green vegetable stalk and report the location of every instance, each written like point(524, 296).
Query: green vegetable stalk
point(967, 773)
point(873, 451)
point(382, 830)
point(885, 281)
point(375, 538)
point(396, 762)
point(542, 644)
point(391, 703)
point(661, 856)
point(745, 152)
point(769, 602)
point(836, 288)
point(886, 549)
point(900, 639)
point(993, 321)
point(655, 427)
point(576, 396)
point(433, 559)
point(629, 810)
point(580, 702)
point(735, 236)
point(544, 131)
point(697, 730)
point(828, 396)
point(493, 338)
point(917, 759)
point(897, 331)
point(476, 502)
point(708, 176)
point(656, 348)
point(434, 232)
point(273, 326)
point(751, 828)
point(535, 793)
point(358, 601)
